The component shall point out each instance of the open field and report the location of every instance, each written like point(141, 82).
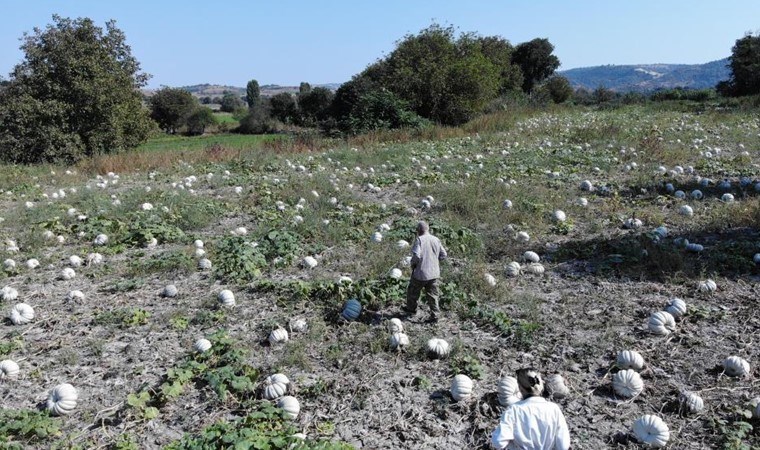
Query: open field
point(128, 349)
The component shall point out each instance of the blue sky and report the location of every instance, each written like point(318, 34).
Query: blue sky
point(285, 42)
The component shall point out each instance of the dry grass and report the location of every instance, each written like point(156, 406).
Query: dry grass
point(147, 161)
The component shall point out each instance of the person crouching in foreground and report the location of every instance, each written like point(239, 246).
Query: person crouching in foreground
point(427, 251)
point(533, 423)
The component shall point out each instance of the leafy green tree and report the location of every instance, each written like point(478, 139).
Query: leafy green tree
point(304, 88)
point(499, 52)
point(252, 94)
point(199, 119)
point(314, 105)
point(171, 107)
point(559, 89)
point(380, 110)
point(256, 121)
point(283, 107)
point(75, 94)
point(744, 63)
point(536, 61)
point(230, 102)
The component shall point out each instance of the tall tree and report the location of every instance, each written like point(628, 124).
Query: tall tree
point(252, 94)
point(171, 107)
point(231, 102)
point(314, 105)
point(744, 63)
point(75, 94)
point(536, 61)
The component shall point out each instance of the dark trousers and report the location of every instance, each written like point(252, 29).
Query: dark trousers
point(432, 293)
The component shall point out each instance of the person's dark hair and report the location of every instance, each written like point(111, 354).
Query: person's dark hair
point(422, 227)
point(530, 382)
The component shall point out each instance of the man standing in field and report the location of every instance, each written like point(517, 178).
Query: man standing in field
point(427, 251)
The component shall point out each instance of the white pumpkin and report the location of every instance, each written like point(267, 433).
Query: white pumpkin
point(651, 431)
point(21, 314)
point(559, 216)
point(227, 298)
point(531, 257)
point(707, 286)
point(402, 244)
point(169, 291)
point(630, 359)
point(632, 224)
point(490, 279)
point(299, 325)
point(694, 247)
point(508, 391)
point(686, 210)
point(461, 387)
point(290, 405)
point(351, 310)
point(756, 401)
point(676, 307)
point(438, 347)
point(756, 258)
point(75, 295)
point(202, 345)
point(309, 262)
point(523, 237)
point(377, 237)
point(399, 340)
point(513, 269)
point(100, 239)
point(75, 261)
point(691, 402)
point(582, 201)
point(9, 264)
point(198, 243)
point(735, 366)
point(8, 369)
point(535, 269)
point(275, 386)
point(727, 198)
point(67, 274)
point(627, 383)
point(32, 263)
point(94, 258)
point(9, 294)
point(696, 194)
point(507, 204)
point(586, 186)
point(395, 325)
point(62, 399)
point(555, 386)
point(204, 264)
point(662, 323)
point(395, 273)
point(278, 336)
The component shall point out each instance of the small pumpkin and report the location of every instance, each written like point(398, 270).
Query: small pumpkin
point(351, 310)
point(202, 345)
point(696, 194)
point(8, 369)
point(707, 286)
point(630, 359)
point(290, 405)
point(62, 399)
point(204, 264)
point(9, 264)
point(395, 325)
point(169, 291)
point(531, 257)
point(727, 198)
point(75, 261)
point(21, 314)
point(632, 224)
point(535, 269)
point(651, 431)
point(32, 263)
point(9, 293)
point(377, 237)
point(309, 262)
point(676, 307)
point(508, 391)
point(75, 295)
point(694, 247)
point(395, 273)
point(227, 298)
point(522, 236)
point(278, 336)
point(555, 386)
point(461, 387)
point(438, 347)
point(662, 323)
point(402, 244)
point(586, 186)
point(686, 210)
point(559, 216)
point(100, 239)
point(513, 269)
point(507, 204)
point(735, 366)
point(691, 402)
point(399, 340)
point(490, 279)
point(275, 386)
point(627, 383)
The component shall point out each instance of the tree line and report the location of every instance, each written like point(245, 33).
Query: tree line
point(77, 94)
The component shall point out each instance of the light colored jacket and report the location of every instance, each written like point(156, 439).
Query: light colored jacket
point(532, 424)
point(426, 252)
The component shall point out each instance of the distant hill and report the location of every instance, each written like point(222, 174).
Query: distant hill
point(267, 90)
point(648, 77)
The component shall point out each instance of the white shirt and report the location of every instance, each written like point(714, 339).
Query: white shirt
point(426, 252)
point(532, 424)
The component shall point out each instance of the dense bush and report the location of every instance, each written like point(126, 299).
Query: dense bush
point(380, 110)
point(745, 68)
point(199, 119)
point(171, 108)
point(75, 94)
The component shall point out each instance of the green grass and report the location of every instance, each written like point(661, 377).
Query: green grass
point(223, 117)
point(232, 141)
